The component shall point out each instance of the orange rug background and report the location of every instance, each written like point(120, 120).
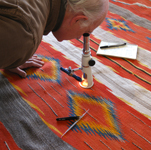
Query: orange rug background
point(116, 125)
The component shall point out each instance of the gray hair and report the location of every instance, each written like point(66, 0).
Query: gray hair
point(90, 8)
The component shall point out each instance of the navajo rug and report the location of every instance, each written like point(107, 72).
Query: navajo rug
point(119, 103)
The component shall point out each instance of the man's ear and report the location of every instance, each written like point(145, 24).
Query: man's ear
point(77, 18)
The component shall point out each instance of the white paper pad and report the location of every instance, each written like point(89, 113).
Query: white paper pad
point(126, 51)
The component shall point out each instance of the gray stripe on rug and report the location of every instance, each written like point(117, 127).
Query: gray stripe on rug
point(23, 122)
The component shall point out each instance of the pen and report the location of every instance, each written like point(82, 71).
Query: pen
point(68, 118)
point(108, 46)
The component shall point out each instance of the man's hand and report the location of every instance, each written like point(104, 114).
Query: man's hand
point(34, 61)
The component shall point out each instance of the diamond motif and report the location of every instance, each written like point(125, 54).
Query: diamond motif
point(51, 73)
point(118, 24)
point(108, 125)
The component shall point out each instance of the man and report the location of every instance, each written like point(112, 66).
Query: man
point(24, 22)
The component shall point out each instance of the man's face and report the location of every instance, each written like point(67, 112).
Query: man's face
point(76, 31)
point(71, 26)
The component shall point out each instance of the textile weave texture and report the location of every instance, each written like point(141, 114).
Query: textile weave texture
point(119, 102)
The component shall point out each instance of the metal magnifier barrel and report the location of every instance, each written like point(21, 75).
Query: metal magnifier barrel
point(87, 62)
point(86, 39)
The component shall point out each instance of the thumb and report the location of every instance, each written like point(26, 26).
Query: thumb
point(19, 71)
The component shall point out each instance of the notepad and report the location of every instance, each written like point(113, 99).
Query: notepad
point(127, 51)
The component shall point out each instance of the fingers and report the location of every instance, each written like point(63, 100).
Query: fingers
point(32, 62)
point(36, 59)
point(18, 71)
point(28, 64)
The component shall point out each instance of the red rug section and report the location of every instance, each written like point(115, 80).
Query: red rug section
point(6, 140)
point(112, 124)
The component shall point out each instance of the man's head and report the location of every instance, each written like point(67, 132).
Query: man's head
point(82, 16)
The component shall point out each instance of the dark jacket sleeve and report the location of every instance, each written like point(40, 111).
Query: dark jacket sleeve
point(16, 43)
point(22, 24)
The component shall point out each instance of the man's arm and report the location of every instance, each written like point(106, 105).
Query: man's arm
point(16, 47)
